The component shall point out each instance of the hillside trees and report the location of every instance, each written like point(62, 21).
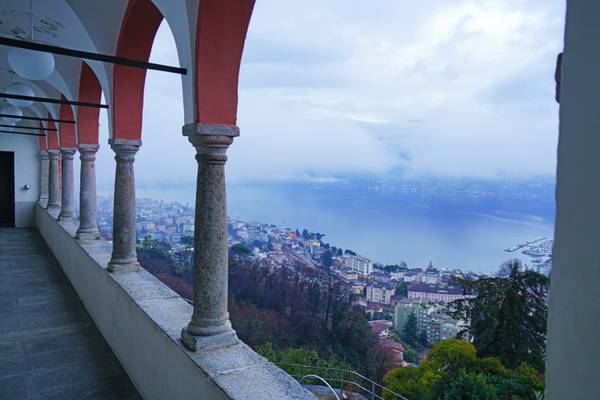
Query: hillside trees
point(288, 309)
point(508, 316)
point(453, 371)
point(410, 332)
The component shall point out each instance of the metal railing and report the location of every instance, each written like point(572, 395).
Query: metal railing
point(311, 376)
point(346, 380)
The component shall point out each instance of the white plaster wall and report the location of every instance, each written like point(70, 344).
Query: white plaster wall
point(574, 313)
point(27, 171)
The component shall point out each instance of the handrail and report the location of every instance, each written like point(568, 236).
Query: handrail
point(370, 392)
point(339, 370)
point(322, 380)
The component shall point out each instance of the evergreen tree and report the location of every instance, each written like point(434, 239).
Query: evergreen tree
point(508, 316)
point(402, 289)
point(327, 259)
point(410, 355)
point(187, 241)
point(423, 338)
point(410, 333)
point(239, 248)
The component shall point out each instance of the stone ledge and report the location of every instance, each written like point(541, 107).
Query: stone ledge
point(141, 319)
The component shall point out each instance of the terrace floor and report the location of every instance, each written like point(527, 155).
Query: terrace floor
point(49, 345)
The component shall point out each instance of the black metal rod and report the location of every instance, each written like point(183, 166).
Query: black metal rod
point(23, 133)
point(53, 101)
point(28, 127)
point(90, 56)
point(62, 121)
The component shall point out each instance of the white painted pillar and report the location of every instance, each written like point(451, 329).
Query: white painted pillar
point(573, 354)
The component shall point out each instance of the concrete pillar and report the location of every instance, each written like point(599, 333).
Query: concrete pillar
point(44, 171)
point(67, 210)
point(124, 256)
point(53, 181)
point(210, 325)
point(88, 222)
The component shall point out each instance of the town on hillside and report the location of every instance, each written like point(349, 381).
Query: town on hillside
point(389, 294)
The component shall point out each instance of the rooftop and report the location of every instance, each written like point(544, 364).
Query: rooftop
point(434, 288)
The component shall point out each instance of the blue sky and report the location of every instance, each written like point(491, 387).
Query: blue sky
point(338, 88)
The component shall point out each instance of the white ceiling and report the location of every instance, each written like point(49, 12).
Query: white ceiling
point(88, 25)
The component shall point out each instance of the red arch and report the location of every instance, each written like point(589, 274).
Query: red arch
point(67, 131)
point(43, 146)
point(87, 117)
point(140, 23)
point(52, 135)
point(220, 35)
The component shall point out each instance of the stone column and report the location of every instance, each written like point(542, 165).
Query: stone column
point(67, 210)
point(53, 183)
point(210, 326)
point(88, 222)
point(44, 171)
point(124, 256)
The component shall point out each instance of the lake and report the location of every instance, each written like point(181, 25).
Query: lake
point(451, 227)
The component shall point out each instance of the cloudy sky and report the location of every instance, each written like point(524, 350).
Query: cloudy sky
point(339, 88)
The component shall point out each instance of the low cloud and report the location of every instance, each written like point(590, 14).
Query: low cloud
point(329, 90)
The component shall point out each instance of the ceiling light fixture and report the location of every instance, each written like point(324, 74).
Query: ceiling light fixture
point(29, 64)
point(20, 89)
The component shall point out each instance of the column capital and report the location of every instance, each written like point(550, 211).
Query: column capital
point(87, 152)
point(88, 147)
point(125, 149)
point(54, 154)
point(68, 152)
point(211, 140)
point(43, 154)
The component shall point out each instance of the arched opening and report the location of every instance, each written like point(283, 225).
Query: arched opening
point(138, 29)
point(163, 117)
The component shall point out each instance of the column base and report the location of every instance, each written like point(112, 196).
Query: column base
point(43, 202)
point(123, 265)
point(197, 343)
point(54, 211)
point(67, 217)
point(84, 234)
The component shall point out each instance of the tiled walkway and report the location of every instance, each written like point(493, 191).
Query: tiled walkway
point(49, 345)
